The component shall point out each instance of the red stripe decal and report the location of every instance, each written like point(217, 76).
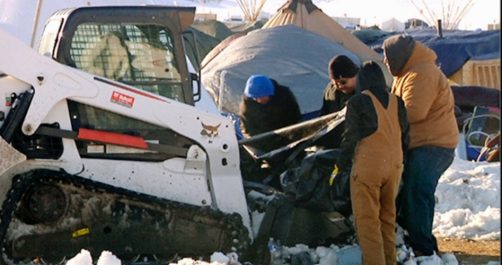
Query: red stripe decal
point(112, 138)
point(130, 89)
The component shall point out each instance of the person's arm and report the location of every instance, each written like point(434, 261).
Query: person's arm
point(405, 127)
point(295, 109)
point(326, 99)
point(360, 121)
point(292, 112)
point(243, 119)
point(351, 135)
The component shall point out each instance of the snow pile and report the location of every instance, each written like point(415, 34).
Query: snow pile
point(84, 258)
point(468, 201)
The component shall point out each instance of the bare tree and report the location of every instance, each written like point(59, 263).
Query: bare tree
point(208, 1)
point(251, 9)
point(452, 12)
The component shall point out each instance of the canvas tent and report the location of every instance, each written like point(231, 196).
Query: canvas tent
point(213, 28)
point(392, 25)
point(198, 45)
point(246, 26)
point(305, 14)
point(278, 52)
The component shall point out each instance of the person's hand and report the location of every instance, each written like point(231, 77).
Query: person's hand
point(334, 173)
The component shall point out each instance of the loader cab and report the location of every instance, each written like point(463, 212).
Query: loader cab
point(140, 46)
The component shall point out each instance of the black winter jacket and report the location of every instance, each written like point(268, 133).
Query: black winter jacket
point(333, 101)
point(281, 111)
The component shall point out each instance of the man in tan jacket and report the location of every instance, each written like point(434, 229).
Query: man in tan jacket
point(433, 137)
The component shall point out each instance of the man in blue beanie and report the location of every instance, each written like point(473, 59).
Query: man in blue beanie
point(267, 106)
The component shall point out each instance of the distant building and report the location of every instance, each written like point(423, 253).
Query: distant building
point(392, 25)
point(205, 16)
point(493, 26)
point(348, 22)
point(414, 23)
point(235, 18)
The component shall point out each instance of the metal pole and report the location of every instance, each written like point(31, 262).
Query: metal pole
point(35, 23)
point(440, 29)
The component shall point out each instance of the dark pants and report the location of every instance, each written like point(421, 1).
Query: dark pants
point(416, 201)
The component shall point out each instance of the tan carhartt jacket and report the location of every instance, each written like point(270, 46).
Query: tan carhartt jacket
point(428, 99)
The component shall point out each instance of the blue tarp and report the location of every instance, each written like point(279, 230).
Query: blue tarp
point(453, 49)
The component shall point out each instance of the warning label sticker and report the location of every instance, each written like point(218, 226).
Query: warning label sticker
point(122, 99)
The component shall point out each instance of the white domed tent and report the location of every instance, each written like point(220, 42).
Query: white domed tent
point(291, 55)
point(392, 25)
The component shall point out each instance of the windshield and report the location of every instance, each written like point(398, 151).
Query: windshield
point(136, 54)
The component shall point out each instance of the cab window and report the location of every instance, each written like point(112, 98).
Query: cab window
point(135, 54)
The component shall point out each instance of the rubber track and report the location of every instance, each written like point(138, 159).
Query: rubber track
point(21, 184)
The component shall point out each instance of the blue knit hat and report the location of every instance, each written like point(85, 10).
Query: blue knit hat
point(259, 86)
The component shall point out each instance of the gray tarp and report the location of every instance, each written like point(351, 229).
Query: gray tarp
point(293, 56)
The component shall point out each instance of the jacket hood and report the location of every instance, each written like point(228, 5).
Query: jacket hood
point(370, 76)
point(421, 54)
point(398, 50)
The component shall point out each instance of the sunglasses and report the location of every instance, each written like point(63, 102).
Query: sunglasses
point(341, 81)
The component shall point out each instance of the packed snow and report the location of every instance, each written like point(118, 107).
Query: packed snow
point(468, 201)
point(468, 207)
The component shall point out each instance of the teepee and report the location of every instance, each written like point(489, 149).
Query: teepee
point(251, 9)
point(305, 14)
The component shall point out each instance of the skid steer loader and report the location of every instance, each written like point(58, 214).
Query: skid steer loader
point(101, 148)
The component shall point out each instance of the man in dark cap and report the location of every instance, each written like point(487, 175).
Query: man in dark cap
point(372, 150)
point(433, 137)
point(342, 74)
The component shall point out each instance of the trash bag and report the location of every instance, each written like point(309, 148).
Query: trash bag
point(308, 185)
point(302, 258)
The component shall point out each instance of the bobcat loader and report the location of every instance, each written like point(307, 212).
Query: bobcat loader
point(101, 147)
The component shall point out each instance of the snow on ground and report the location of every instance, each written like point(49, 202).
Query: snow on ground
point(468, 201)
point(468, 206)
